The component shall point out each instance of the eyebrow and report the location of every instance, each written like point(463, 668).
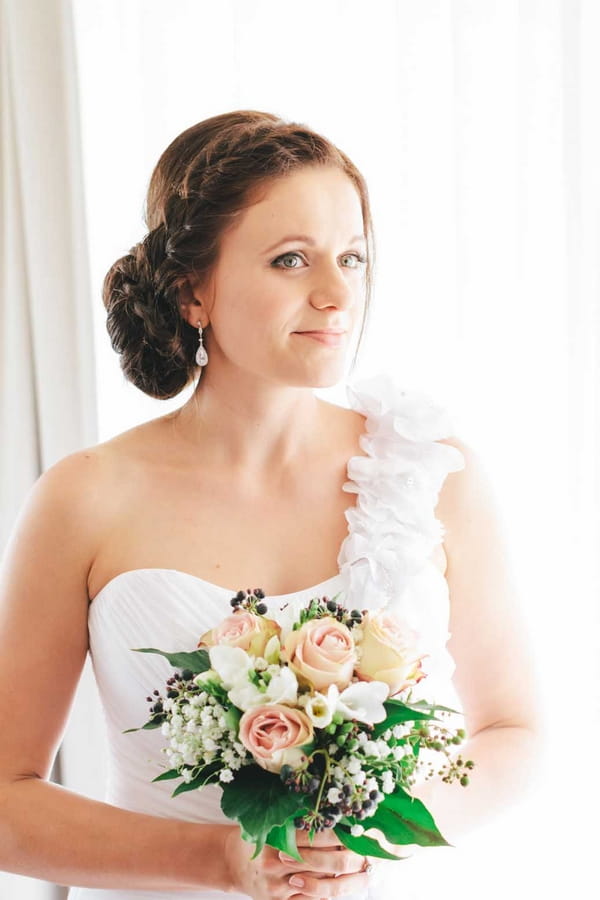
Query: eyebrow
point(308, 240)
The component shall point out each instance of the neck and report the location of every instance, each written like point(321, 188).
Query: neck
point(254, 429)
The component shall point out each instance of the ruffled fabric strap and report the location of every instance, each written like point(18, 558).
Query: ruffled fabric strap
point(393, 529)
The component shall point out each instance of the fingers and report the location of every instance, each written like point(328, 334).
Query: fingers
point(325, 838)
point(308, 886)
point(331, 861)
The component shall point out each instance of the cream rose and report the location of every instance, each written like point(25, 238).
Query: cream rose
point(321, 652)
point(388, 652)
point(242, 629)
point(275, 735)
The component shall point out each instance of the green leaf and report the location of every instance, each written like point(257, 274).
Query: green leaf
point(166, 776)
point(406, 820)
point(433, 707)
point(152, 723)
point(207, 774)
point(283, 837)
point(365, 846)
point(259, 801)
point(197, 662)
point(397, 713)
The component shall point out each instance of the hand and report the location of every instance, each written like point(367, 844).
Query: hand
point(328, 869)
point(324, 858)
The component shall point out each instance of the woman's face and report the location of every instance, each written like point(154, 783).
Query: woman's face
point(294, 262)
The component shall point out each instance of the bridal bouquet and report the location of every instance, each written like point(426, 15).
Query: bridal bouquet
point(307, 725)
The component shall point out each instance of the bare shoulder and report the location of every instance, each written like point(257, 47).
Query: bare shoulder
point(86, 488)
point(466, 495)
point(63, 510)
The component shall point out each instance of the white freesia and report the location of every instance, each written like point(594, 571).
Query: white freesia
point(320, 708)
point(230, 663)
point(361, 701)
point(282, 688)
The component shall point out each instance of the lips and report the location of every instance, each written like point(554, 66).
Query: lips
point(323, 331)
point(331, 338)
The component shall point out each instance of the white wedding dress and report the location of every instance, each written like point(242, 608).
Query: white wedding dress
point(384, 559)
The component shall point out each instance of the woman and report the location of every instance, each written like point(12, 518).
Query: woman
point(254, 275)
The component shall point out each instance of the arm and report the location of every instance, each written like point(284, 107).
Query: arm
point(46, 831)
point(494, 674)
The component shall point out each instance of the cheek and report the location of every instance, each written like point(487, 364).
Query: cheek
point(246, 311)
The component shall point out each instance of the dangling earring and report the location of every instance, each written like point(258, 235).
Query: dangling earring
point(201, 354)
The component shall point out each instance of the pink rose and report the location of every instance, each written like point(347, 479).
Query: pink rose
point(388, 652)
point(242, 629)
point(275, 734)
point(321, 652)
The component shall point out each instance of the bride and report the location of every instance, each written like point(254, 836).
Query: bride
point(253, 278)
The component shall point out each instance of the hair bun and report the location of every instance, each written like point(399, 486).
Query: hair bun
point(143, 321)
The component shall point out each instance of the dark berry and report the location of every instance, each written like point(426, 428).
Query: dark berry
point(259, 593)
point(331, 605)
point(261, 609)
point(374, 794)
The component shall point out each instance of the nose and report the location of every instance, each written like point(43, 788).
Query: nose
point(333, 286)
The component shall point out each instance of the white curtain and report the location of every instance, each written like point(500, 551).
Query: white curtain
point(47, 374)
point(476, 125)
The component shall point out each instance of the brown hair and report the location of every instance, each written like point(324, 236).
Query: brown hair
point(203, 180)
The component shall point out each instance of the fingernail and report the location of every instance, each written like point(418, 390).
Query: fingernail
point(288, 859)
point(296, 881)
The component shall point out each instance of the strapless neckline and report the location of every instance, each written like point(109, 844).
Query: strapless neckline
point(208, 585)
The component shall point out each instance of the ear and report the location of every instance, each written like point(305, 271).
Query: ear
point(191, 305)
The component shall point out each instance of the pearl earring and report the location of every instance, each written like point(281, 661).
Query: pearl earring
point(201, 354)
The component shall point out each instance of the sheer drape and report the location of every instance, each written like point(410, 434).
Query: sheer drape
point(476, 127)
point(47, 390)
